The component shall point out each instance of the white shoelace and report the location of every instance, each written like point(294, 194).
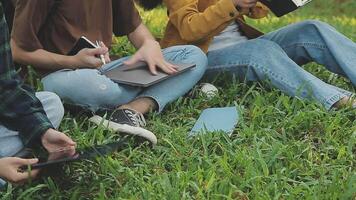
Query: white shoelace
point(137, 118)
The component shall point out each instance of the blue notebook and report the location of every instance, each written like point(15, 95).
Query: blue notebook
point(216, 119)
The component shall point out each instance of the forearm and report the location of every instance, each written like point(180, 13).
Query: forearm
point(42, 59)
point(140, 35)
point(22, 111)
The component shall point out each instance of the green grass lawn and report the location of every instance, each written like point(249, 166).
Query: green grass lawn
point(283, 148)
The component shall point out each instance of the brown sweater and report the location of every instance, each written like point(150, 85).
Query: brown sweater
point(198, 21)
point(55, 25)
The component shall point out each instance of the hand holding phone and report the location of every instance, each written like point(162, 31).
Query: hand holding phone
point(69, 155)
point(14, 169)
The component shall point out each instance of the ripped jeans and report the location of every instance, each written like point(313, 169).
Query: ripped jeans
point(91, 90)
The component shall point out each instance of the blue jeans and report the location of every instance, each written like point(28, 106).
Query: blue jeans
point(277, 57)
point(91, 90)
point(10, 142)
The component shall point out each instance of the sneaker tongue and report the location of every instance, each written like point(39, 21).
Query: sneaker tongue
point(131, 116)
point(136, 117)
point(126, 116)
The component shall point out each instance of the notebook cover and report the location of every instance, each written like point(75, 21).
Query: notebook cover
point(280, 7)
point(82, 43)
point(140, 76)
point(216, 119)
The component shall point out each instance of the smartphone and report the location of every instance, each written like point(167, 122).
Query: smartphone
point(82, 43)
point(70, 155)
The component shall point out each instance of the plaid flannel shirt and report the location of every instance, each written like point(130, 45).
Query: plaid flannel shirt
point(20, 110)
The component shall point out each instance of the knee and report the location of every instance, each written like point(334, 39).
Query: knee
point(104, 95)
point(314, 25)
point(197, 53)
point(54, 108)
point(264, 49)
point(58, 105)
point(198, 57)
point(84, 87)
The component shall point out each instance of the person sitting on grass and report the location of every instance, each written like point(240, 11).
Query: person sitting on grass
point(45, 31)
point(219, 29)
point(23, 120)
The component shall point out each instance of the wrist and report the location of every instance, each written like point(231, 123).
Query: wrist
point(66, 62)
point(44, 135)
point(73, 62)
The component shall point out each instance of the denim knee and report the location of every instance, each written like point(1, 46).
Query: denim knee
point(53, 107)
point(84, 87)
point(58, 109)
point(264, 50)
point(314, 25)
point(189, 54)
point(102, 95)
point(109, 98)
point(199, 58)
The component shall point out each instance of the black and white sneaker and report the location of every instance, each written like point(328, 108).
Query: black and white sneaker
point(126, 121)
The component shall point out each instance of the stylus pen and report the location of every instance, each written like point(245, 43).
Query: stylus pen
point(101, 55)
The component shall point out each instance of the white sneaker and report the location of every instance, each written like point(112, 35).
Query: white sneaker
point(125, 121)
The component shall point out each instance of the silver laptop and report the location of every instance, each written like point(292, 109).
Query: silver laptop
point(140, 76)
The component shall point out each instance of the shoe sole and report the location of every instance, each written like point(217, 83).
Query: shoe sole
point(124, 128)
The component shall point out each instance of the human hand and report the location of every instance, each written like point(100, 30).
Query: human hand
point(55, 141)
point(10, 169)
point(150, 52)
point(245, 3)
point(88, 57)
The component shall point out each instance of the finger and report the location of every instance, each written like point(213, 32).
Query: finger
point(247, 4)
point(107, 58)
point(96, 62)
point(152, 67)
point(71, 152)
point(31, 174)
point(250, 1)
point(165, 68)
point(62, 150)
point(21, 178)
point(171, 66)
point(24, 162)
point(250, 4)
point(102, 44)
point(106, 55)
point(68, 140)
point(133, 60)
point(97, 51)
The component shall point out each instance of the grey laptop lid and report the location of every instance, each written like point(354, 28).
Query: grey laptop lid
point(139, 74)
